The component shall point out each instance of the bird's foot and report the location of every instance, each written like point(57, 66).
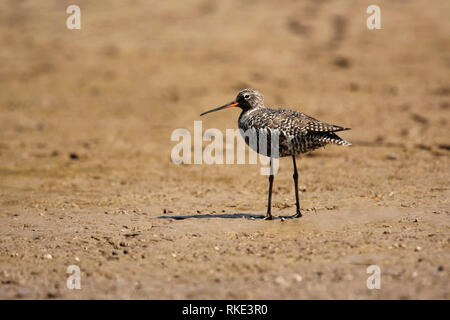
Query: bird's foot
point(297, 215)
point(268, 217)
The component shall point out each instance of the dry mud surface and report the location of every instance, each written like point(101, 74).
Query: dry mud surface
point(86, 178)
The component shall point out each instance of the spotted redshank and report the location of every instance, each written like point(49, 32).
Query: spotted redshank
point(297, 132)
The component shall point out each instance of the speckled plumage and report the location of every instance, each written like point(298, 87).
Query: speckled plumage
point(298, 132)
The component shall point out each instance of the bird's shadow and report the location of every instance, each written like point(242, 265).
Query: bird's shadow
point(224, 216)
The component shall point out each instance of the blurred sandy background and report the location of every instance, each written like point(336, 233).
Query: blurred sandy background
point(85, 172)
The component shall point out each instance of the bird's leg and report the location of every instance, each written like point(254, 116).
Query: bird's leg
point(269, 204)
point(298, 214)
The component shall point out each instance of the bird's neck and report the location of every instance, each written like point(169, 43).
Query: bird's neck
point(247, 111)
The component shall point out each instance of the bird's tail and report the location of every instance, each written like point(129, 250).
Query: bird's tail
point(333, 138)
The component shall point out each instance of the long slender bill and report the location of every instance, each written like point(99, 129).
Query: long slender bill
point(228, 105)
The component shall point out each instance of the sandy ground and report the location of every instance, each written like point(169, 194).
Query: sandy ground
point(86, 177)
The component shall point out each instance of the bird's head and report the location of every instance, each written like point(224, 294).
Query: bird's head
point(246, 99)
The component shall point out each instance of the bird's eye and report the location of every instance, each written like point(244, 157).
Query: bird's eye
point(247, 96)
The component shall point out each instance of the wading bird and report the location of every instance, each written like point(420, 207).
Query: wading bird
point(297, 132)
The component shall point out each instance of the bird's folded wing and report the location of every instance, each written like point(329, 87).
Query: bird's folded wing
point(290, 122)
point(311, 124)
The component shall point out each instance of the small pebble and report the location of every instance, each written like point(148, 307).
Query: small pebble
point(392, 156)
point(281, 281)
point(73, 156)
point(298, 277)
point(47, 256)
